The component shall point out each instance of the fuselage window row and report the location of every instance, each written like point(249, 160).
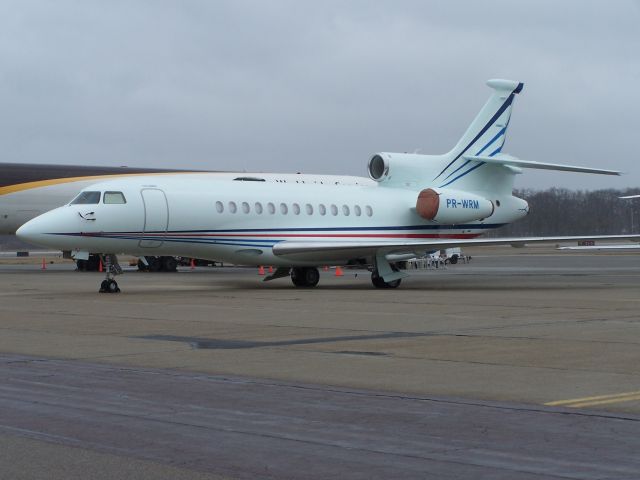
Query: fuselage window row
point(295, 208)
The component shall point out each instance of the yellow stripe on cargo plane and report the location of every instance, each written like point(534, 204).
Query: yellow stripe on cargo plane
point(596, 400)
point(19, 187)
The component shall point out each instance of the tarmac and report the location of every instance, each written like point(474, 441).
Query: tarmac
point(522, 364)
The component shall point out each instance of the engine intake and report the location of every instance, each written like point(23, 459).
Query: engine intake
point(452, 207)
point(378, 167)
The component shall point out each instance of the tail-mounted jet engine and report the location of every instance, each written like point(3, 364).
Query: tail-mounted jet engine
point(394, 168)
point(452, 207)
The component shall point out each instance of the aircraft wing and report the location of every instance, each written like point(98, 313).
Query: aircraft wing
point(345, 250)
point(630, 196)
point(622, 246)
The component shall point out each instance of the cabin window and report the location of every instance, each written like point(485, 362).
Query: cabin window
point(334, 210)
point(113, 198)
point(233, 208)
point(357, 210)
point(345, 210)
point(271, 208)
point(219, 207)
point(258, 208)
point(284, 209)
point(309, 208)
point(249, 179)
point(86, 198)
point(368, 210)
point(245, 207)
point(322, 209)
point(296, 209)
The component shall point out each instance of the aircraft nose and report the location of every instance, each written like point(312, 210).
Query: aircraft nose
point(36, 230)
point(29, 232)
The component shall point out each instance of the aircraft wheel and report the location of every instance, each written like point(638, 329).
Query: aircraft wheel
point(378, 282)
point(169, 264)
point(305, 277)
point(394, 283)
point(93, 264)
point(311, 276)
point(154, 264)
point(109, 286)
point(113, 287)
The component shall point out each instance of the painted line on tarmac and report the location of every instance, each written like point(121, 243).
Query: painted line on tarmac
point(596, 400)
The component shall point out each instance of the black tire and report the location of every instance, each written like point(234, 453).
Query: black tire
point(394, 283)
point(113, 286)
point(93, 264)
point(305, 277)
point(311, 276)
point(169, 264)
point(154, 264)
point(453, 260)
point(378, 282)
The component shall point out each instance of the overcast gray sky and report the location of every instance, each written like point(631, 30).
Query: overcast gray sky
point(316, 86)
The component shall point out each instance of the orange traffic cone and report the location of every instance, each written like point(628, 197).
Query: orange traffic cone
point(44, 264)
point(261, 270)
point(339, 272)
point(100, 267)
point(270, 269)
point(193, 264)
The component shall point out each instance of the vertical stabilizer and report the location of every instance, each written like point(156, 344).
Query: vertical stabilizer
point(486, 134)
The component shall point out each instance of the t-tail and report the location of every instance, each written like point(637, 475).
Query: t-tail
point(477, 163)
point(485, 136)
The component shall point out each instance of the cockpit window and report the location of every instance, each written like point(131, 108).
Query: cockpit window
point(86, 198)
point(114, 197)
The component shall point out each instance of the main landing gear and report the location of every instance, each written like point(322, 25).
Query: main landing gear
point(378, 282)
point(305, 277)
point(111, 268)
point(158, 264)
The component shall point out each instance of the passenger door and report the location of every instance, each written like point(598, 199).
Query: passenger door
point(156, 217)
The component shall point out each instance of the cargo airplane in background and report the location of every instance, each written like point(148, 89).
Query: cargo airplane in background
point(415, 204)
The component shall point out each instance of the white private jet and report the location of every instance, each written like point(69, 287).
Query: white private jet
point(418, 204)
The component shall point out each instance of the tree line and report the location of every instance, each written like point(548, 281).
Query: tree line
point(559, 211)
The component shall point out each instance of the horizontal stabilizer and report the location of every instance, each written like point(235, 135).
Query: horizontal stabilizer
point(516, 162)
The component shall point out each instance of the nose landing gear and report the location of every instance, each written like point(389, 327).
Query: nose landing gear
point(109, 286)
point(111, 268)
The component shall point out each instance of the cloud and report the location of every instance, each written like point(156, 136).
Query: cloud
point(314, 87)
